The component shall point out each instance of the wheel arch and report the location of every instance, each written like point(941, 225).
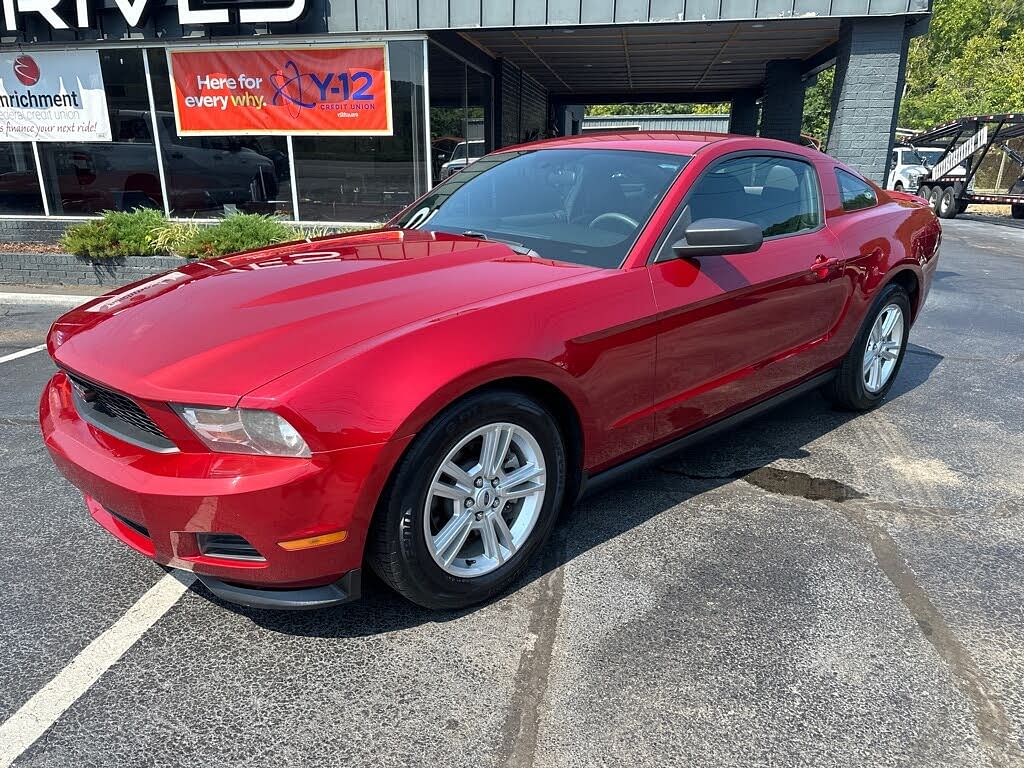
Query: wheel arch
point(556, 397)
point(907, 279)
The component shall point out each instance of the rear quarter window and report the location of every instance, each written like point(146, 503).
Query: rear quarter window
point(855, 194)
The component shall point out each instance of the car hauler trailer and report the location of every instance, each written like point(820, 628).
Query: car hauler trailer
point(967, 142)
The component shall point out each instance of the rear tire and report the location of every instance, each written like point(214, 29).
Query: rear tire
point(858, 385)
point(480, 556)
point(949, 206)
point(935, 198)
point(924, 191)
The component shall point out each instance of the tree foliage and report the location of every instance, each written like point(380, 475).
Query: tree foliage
point(818, 106)
point(605, 110)
point(971, 62)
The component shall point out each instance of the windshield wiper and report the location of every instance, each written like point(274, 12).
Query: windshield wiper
point(519, 248)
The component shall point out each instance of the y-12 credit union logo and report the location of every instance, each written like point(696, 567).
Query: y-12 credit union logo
point(311, 90)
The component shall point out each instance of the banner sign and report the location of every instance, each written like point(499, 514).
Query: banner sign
point(304, 91)
point(53, 96)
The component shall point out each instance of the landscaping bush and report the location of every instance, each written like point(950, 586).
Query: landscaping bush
point(117, 234)
point(145, 232)
point(238, 232)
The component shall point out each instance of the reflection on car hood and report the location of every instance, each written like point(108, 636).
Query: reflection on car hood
point(212, 331)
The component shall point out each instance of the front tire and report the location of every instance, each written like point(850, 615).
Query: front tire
point(870, 367)
point(473, 498)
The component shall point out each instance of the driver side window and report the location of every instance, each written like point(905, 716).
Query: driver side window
point(779, 194)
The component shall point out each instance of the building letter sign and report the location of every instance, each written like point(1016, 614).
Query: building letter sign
point(135, 12)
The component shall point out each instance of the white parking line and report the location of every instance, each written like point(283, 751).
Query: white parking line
point(26, 725)
point(60, 299)
point(22, 353)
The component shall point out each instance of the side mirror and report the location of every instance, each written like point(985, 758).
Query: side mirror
point(717, 237)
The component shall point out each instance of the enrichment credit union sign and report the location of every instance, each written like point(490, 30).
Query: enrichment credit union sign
point(52, 96)
point(343, 90)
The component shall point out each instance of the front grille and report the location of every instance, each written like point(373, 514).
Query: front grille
point(117, 405)
point(137, 527)
point(227, 545)
point(117, 414)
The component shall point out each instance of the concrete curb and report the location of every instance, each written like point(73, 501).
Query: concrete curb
point(65, 269)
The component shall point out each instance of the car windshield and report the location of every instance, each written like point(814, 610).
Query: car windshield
point(928, 157)
point(576, 205)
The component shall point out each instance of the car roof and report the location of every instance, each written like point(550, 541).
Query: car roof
point(671, 143)
point(668, 142)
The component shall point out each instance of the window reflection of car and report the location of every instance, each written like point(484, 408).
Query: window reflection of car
point(465, 152)
point(203, 173)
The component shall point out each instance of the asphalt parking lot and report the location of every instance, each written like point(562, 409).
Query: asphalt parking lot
point(813, 589)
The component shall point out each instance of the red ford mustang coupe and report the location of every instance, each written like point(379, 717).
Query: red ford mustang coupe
point(425, 398)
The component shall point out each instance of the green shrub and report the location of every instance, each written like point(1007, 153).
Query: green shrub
point(145, 232)
point(117, 234)
point(237, 232)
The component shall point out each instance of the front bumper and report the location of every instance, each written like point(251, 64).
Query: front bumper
point(344, 590)
point(161, 505)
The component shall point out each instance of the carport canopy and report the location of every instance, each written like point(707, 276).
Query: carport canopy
point(692, 62)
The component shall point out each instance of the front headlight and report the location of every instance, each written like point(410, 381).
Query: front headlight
point(244, 430)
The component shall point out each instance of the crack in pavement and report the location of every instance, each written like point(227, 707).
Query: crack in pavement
point(522, 723)
point(993, 725)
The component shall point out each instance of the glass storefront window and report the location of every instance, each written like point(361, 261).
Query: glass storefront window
point(369, 179)
point(338, 178)
point(85, 178)
point(460, 113)
point(212, 176)
point(19, 182)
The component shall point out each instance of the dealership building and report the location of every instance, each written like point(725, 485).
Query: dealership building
point(344, 111)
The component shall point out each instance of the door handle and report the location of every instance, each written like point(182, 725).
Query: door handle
point(824, 266)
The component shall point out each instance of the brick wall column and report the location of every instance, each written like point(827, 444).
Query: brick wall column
point(783, 107)
point(743, 113)
point(870, 73)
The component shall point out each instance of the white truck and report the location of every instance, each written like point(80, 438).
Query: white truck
point(910, 165)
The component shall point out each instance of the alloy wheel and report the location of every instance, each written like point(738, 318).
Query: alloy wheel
point(882, 351)
point(484, 499)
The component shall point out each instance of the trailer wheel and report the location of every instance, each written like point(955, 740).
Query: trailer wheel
point(924, 191)
point(948, 204)
point(1017, 211)
point(935, 198)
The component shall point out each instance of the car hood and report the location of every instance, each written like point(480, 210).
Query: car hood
point(212, 331)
